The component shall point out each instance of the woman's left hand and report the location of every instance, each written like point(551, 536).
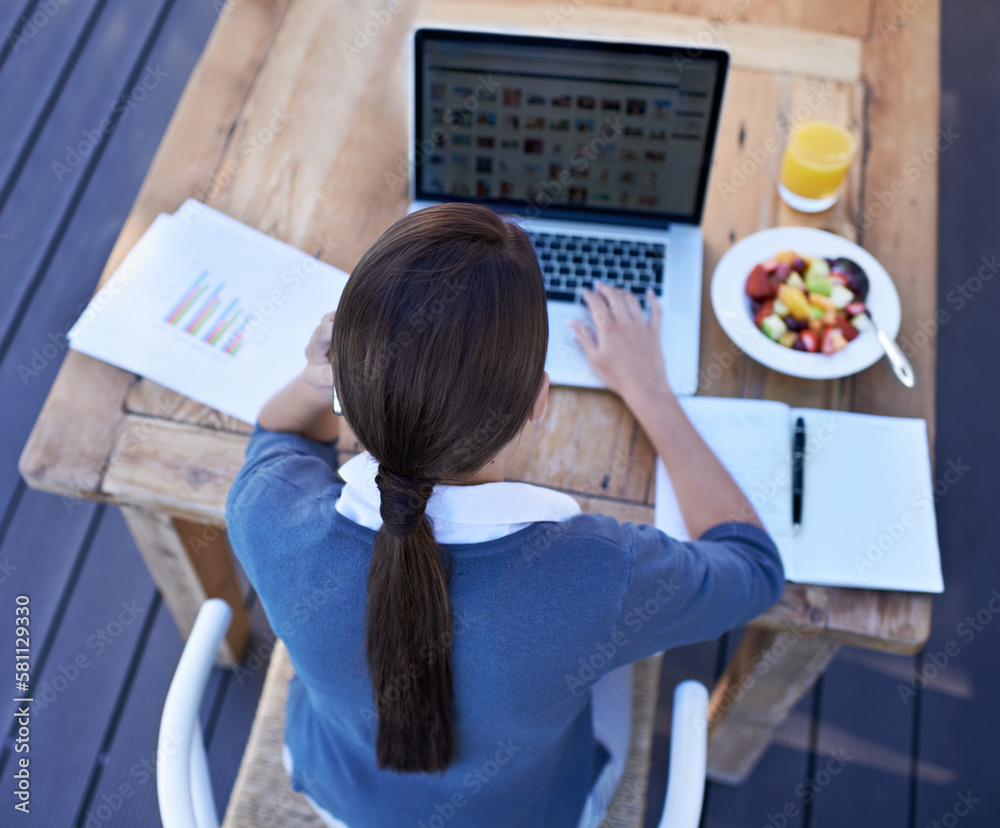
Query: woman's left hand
point(319, 372)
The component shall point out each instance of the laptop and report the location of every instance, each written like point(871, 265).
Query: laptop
point(600, 150)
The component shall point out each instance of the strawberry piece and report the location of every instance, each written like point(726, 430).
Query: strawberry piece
point(838, 277)
point(854, 308)
point(759, 286)
point(810, 341)
point(766, 309)
point(770, 265)
point(846, 328)
point(832, 340)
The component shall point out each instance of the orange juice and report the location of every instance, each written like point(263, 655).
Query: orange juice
point(816, 160)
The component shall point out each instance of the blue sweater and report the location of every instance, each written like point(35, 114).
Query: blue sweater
point(538, 617)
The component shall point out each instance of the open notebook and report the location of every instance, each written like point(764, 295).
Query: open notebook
point(868, 498)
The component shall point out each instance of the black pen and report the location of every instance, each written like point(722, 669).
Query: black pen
point(798, 462)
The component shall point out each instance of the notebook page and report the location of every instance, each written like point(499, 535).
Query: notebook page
point(752, 440)
point(868, 505)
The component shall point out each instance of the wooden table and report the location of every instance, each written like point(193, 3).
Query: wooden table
point(294, 121)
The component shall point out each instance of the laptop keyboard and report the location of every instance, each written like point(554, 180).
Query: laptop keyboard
point(571, 263)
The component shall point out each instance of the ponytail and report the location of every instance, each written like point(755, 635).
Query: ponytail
point(408, 607)
point(438, 354)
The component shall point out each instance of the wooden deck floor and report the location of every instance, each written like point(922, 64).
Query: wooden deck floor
point(857, 751)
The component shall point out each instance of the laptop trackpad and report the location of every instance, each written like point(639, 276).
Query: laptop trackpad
point(566, 362)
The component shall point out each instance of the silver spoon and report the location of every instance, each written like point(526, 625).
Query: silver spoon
point(900, 364)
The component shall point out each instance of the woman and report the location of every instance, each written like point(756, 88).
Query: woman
point(459, 640)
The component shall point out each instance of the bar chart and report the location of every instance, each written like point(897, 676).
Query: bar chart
point(203, 311)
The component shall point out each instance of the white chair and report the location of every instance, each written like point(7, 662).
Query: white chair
point(262, 794)
point(183, 784)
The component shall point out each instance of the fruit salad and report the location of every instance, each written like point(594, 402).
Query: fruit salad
point(808, 304)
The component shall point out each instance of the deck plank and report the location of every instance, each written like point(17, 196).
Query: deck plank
point(86, 669)
point(861, 774)
point(37, 346)
point(16, 33)
point(958, 715)
point(54, 174)
point(769, 790)
point(38, 555)
point(31, 81)
point(127, 779)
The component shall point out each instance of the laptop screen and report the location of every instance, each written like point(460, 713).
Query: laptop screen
point(566, 128)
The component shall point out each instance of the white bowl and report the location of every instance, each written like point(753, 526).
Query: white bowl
point(732, 305)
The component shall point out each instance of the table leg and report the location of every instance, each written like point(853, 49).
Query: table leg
point(191, 562)
point(769, 673)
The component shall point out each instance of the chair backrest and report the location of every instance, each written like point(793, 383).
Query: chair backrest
point(183, 785)
point(262, 795)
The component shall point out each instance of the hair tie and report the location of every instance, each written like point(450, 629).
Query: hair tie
point(404, 500)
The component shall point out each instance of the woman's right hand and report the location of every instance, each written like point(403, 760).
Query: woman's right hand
point(623, 348)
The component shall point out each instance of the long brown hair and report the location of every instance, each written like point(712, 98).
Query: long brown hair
point(438, 355)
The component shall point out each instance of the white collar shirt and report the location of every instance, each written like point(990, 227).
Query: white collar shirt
point(459, 514)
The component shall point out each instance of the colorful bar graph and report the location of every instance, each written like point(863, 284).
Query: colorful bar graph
point(236, 340)
point(192, 296)
point(203, 311)
point(225, 322)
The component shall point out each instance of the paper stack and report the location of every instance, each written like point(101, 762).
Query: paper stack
point(210, 308)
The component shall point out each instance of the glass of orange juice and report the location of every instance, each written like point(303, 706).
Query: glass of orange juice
point(817, 157)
